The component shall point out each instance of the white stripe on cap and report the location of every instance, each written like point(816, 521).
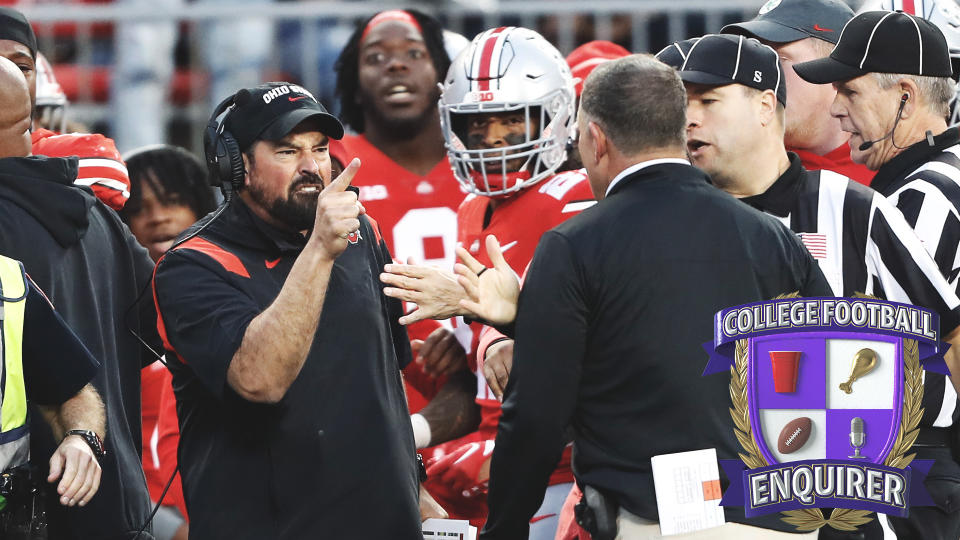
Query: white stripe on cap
point(680, 50)
point(920, 40)
point(776, 65)
point(736, 67)
point(689, 54)
point(866, 52)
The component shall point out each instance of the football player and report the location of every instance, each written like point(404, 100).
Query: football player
point(388, 75)
point(507, 111)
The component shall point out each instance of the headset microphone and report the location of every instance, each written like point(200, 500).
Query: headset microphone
point(903, 101)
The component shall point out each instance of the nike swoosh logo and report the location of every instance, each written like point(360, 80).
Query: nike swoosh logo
point(297, 98)
point(541, 518)
point(505, 247)
point(819, 28)
point(271, 264)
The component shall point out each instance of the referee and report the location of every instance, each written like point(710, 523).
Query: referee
point(861, 242)
point(892, 75)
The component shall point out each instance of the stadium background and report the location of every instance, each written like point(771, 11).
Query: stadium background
point(80, 39)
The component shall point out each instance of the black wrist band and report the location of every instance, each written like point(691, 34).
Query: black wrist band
point(92, 439)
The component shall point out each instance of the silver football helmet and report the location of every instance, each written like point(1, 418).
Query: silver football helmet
point(945, 14)
point(505, 70)
point(51, 106)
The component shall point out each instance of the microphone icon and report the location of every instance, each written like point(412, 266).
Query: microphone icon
point(857, 437)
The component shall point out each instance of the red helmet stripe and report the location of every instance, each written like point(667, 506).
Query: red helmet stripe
point(486, 58)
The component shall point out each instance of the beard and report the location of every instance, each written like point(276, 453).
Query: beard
point(296, 211)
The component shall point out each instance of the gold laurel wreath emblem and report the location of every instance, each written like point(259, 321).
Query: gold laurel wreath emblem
point(844, 519)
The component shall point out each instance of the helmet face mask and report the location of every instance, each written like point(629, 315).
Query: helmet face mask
point(508, 70)
point(51, 105)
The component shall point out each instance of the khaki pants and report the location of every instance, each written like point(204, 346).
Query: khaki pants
point(632, 527)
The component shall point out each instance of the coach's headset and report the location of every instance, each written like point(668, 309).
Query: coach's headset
point(223, 156)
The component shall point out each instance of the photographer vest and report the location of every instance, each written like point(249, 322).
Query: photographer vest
point(14, 431)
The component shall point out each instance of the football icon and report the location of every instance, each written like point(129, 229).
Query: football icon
point(794, 435)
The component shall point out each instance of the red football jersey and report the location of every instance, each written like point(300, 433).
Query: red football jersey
point(418, 218)
point(158, 407)
point(417, 214)
point(101, 167)
point(518, 223)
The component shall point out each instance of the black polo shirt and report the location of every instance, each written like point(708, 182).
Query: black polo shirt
point(335, 457)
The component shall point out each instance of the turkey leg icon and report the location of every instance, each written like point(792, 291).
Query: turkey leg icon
point(786, 365)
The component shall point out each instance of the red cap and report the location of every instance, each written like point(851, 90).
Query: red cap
point(590, 55)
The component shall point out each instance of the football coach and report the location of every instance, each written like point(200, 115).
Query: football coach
point(615, 306)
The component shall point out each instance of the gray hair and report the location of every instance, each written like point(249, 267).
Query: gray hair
point(638, 102)
point(936, 91)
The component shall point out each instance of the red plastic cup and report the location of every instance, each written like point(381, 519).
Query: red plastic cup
point(786, 365)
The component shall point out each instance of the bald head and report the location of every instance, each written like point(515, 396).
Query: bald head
point(14, 111)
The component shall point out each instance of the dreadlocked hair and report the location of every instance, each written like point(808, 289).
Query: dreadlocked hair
point(348, 65)
point(176, 177)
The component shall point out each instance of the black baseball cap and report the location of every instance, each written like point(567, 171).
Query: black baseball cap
point(15, 27)
point(882, 42)
point(785, 21)
point(675, 54)
point(268, 112)
point(722, 59)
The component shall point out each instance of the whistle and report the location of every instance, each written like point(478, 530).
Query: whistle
point(863, 362)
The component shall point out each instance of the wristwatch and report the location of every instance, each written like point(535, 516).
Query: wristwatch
point(92, 439)
point(421, 470)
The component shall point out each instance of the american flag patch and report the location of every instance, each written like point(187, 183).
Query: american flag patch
point(816, 244)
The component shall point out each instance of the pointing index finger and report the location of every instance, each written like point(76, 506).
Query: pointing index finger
point(342, 181)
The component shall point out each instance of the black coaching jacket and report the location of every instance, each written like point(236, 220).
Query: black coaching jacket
point(612, 315)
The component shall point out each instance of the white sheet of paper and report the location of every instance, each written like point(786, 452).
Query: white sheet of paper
point(688, 491)
point(448, 529)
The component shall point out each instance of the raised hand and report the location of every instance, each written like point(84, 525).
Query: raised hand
point(338, 213)
point(492, 292)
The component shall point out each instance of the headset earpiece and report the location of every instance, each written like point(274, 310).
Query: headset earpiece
point(222, 152)
point(905, 97)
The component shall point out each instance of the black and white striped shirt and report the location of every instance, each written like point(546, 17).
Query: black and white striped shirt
point(863, 244)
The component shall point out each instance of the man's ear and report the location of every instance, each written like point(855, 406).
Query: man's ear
point(600, 141)
point(768, 107)
point(246, 168)
point(908, 89)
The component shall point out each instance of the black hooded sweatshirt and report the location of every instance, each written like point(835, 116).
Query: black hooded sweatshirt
point(78, 251)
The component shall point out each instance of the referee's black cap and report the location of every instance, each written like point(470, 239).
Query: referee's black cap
point(674, 54)
point(270, 111)
point(882, 42)
point(786, 21)
point(722, 59)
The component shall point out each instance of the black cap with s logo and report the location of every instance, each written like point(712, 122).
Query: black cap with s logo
point(722, 59)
